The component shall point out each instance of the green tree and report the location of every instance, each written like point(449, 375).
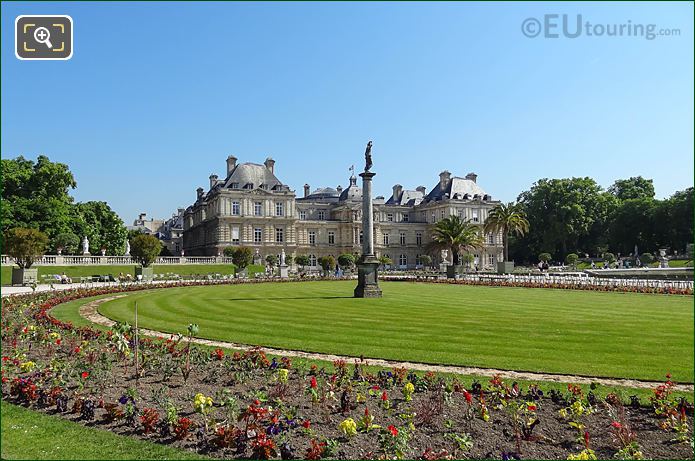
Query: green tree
point(346, 260)
point(145, 249)
point(508, 219)
point(565, 215)
point(633, 223)
point(457, 235)
point(25, 245)
point(302, 261)
point(609, 257)
point(102, 226)
point(571, 260)
point(36, 195)
point(636, 187)
point(67, 242)
point(467, 259)
point(289, 259)
point(242, 257)
point(545, 257)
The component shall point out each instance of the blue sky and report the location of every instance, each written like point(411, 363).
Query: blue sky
point(158, 94)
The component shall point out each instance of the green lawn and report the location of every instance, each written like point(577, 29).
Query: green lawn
point(85, 271)
point(30, 435)
point(560, 331)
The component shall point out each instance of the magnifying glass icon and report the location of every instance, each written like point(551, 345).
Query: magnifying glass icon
point(42, 35)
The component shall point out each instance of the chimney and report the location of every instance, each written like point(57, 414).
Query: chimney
point(231, 163)
point(141, 216)
point(444, 178)
point(339, 189)
point(213, 180)
point(472, 176)
point(421, 189)
point(397, 191)
point(270, 164)
point(306, 190)
point(200, 191)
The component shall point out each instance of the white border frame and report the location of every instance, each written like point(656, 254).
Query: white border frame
point(72, 36)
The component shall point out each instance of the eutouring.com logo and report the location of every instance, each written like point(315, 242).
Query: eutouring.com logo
point(574, 26)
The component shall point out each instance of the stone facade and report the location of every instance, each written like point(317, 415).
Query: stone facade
point(252, 207)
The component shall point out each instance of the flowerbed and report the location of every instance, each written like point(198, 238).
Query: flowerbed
point(245, 405)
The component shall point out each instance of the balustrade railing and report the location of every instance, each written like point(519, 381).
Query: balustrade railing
point(67, 260)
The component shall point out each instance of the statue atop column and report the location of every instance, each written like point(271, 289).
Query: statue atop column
point(368, 157)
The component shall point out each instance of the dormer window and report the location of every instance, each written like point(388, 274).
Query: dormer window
point(235, 185)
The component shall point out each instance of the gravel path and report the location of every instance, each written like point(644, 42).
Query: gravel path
point(89, 312)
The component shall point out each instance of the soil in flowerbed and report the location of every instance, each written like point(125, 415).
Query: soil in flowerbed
point(259, 410)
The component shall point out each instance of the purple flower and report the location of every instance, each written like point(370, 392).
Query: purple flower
point(123, 400)
point(273, 364)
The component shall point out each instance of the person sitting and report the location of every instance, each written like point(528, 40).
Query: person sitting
point(64, 279)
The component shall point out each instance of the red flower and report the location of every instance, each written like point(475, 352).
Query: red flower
point(306, 424)
point(85, 375)
point(392, 429)
point(5, 358)
point(313, 382)
point(532, 408)
point(77, 350)
point(384, 397)
point(468, 396)
point(366, 412)
point(616, 425)
point(58, 341)
point(586, 439)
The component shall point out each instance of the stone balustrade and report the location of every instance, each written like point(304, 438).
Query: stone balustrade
point(67, 260)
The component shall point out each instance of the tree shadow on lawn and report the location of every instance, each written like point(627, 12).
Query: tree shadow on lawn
point(281, 298)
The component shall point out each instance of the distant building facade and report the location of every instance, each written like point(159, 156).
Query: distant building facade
point(169, 231)
point(252, 207)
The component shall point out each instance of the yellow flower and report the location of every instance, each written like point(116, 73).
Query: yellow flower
point(26, 367)
point(348, 427)
point(408, 390)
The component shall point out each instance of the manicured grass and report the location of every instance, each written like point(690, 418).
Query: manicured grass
point(75, 272)
point(31, 435)
point(623, 335)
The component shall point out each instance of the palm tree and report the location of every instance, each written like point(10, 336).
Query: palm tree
point(457, 235)
point(509, 219)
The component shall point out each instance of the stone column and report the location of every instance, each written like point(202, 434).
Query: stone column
point(368, 264)
point(367, 214)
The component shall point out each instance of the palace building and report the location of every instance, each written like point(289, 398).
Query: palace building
point(251, 207)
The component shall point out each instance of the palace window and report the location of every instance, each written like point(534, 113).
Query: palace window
point(235, 185)
point(312, 237)
point(491, 238)
point(418, 239)
point(235, 234)
point(386, 238)
point(258, 209)
point(434, 217)
point(361, 237)
point(491, 259)
point(441, 213)
point(279, 209)
point(402, 260)
point(475, 215)
point(312, 260)
point(302, 215)
point(331, 237)
point(389, 217)
point(402, 235)
point(461, 213)
point(258, 235)
point(279, 234)
point(236, 208)
point(405, 217)
point(418, 261)
point(322, 215)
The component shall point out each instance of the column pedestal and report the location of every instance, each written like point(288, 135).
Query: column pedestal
point(368, 264)
point(284, 271)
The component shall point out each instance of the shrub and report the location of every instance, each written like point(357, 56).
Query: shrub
point(571, 259)
point(346, 260)
point(426, 260)
point(25, 245)
point(67, 242)
point(301, 260)
point(327, 263)
point(609, 257)
point(241, 257)
point(545, 257)
point(647, 258)
point(272, 260)
point(145, 249)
